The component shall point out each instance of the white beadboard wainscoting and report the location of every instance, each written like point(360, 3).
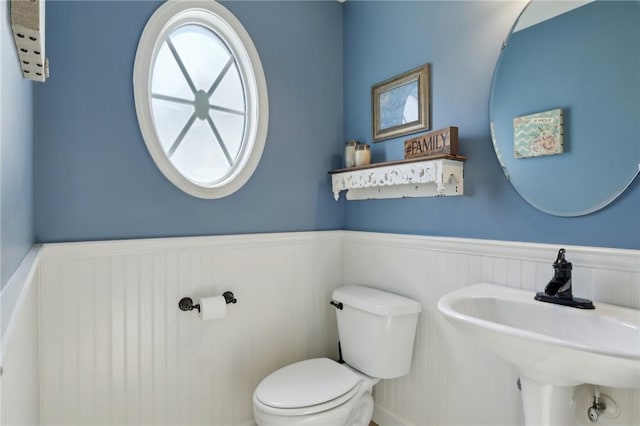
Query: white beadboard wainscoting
point(101, 319)
point(20, 345)
point(452, 381)
point(117, 351)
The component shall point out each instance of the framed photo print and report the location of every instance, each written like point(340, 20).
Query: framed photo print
point(400, 105)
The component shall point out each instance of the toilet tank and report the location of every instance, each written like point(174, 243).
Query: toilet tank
point(377, 330)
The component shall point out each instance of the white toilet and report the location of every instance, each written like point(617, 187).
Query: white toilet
point(377, 330)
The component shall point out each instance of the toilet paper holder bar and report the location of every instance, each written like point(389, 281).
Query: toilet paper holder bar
point(186, 303)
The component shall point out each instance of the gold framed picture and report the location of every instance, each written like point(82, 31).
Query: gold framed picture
point(400, 105)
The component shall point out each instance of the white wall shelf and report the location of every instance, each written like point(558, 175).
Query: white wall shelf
point(416, 177)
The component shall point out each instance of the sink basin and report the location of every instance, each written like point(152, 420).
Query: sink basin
point(549, 343)
point(554, 347)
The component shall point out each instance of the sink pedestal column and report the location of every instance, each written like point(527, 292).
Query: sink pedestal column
point(547, 405)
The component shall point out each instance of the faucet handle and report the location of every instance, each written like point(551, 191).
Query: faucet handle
point(561, 262)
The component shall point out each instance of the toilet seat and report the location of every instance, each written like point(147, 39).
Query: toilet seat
point(306, 387)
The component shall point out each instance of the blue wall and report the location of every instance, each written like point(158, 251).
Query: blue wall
point(462, 42)
point(16, 155)
point(95, 178)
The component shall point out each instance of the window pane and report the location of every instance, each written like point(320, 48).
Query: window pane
point(231, 130)
point(167, 77)
point(169, 119)
point(199, 157)
point(202, 52)
point(229, 93)
point(198, 104)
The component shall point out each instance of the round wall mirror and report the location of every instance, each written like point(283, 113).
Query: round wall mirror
point(565, 104)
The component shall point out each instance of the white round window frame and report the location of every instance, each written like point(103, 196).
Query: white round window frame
point(171, 15)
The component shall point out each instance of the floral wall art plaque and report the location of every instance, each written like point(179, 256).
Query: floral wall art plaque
point(538, 134)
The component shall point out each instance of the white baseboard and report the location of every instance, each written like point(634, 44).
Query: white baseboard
point(383, 417)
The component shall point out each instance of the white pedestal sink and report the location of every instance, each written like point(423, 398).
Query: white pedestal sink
point(554, 348)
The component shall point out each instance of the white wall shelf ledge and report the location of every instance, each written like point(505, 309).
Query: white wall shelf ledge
point(416, 177)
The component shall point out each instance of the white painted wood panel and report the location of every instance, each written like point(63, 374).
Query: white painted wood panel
point(116, 349)
point(20, 345)
point(20, 378)
point(453, 381)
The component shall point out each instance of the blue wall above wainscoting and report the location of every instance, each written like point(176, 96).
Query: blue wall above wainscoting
point(95, 178)
point(461, 41)
point(16, 155)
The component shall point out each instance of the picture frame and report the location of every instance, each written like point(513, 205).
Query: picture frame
point(539, 134)
point(401, 105)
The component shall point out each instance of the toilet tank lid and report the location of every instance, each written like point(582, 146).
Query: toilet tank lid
point(376, 301)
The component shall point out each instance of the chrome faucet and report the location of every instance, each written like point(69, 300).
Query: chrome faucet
point(558, 290)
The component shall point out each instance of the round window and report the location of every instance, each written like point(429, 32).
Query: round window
point(201, 97)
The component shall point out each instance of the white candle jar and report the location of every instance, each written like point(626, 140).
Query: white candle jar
point(350, 153)
point(363, 155)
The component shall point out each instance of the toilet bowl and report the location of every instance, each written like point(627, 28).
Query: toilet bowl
point(317, 392)
point(377, 330)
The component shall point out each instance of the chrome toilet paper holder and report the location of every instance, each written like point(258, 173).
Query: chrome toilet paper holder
point(186, 303)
